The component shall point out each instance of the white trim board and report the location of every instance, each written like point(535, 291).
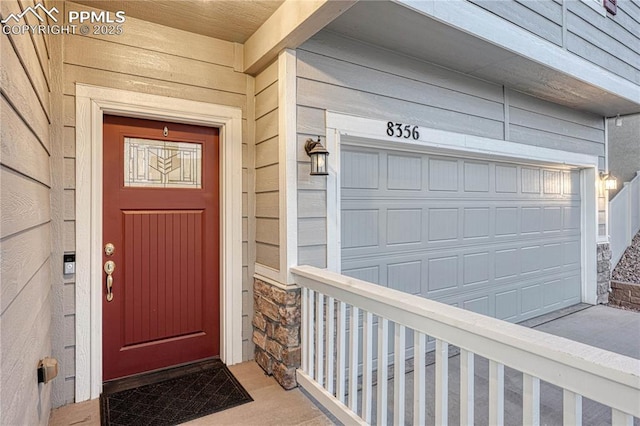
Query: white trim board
point(372, 132)
point(91, 104)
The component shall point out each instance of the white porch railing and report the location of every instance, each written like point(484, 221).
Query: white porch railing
point(624, 218)
point(338, 356)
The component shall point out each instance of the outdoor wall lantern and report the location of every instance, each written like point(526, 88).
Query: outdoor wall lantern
point(318, 155)
point(610, 182)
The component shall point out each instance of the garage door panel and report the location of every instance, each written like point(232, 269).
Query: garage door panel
point(442, 273)
point(404, 172)
point(531, 300)
point(360, 169)
point(405, 276)
point(507, 305)
point(443, 175)
point(404, 226)
point(493, 237)
point(360, 228)
point(476, 177)
point(506, 178)
point(552, 293)
point(476, 268)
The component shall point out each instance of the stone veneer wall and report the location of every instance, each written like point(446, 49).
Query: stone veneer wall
point(276, 331)
point(604, 272)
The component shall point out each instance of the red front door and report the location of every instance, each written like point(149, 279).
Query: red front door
point(161, 217)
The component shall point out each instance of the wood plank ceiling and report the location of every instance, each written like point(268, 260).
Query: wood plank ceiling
point(231, 20)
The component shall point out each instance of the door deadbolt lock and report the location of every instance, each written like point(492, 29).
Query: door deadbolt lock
point(109, 249)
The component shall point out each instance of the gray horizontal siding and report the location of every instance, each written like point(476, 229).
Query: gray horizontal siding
point(612, 42)
point(342, 75)
point(541, 17)
point(25, 226)
point(533, 121)
point(266, 168)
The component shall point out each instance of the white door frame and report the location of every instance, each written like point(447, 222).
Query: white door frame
point(373, 133)
point(91, 104)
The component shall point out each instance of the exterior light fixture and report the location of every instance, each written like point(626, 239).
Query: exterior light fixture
point(318, 155)
point(609, 181)
point(618, 121)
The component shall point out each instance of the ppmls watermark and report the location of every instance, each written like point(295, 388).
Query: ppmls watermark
point(78, 22)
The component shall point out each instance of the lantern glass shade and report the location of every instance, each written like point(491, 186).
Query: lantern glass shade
point(318, 155)
point(611, 183)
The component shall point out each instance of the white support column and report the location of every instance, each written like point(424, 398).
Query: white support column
point(383, 375)
point(419, 384)
point(571, 408)
point(496, 393)
point(618, 418)
point(367, 365)
point(398, 374)
point(442, 382)
point(330, 337)
point(530, 400)
point(466, 387)
point(320, 339)
point(341, 365)
point(354, 321)
point(310, 335)
point(304, 328)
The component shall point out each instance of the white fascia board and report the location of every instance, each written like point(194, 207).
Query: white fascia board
point(485, 25)
point(293, 23)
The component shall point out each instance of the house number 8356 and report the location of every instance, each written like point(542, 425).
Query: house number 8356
point(404, 131)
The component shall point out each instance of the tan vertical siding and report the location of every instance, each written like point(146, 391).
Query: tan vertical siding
point(25, 229)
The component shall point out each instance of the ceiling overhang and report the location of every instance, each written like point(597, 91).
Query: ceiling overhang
point(452, 40)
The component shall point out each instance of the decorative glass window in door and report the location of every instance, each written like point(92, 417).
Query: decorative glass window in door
point(160, 164)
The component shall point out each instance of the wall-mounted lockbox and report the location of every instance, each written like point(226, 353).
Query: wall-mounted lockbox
point(69, 260)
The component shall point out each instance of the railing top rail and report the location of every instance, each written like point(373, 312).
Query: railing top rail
point(603, 376)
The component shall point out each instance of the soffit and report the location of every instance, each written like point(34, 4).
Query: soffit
point(233, 21)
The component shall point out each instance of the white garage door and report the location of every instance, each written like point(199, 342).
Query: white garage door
point(500, 239)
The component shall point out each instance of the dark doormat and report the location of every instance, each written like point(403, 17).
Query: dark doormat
point(171, 397)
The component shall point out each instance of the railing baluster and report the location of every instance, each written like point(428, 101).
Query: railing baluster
point(367, 365)
point(320, 338)
point(310, 333)
point(353, 358)
point(383, 376)
point(341, 351)
point(530, 400)
point(618, 418)
point(467, 400)
point(496, 393)
point(419, 369)
point(398, 374)
point(442, 382)
point(304, 338)
point(330, 337)
point(571, 408)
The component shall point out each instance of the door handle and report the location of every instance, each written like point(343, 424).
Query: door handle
point(109, 267)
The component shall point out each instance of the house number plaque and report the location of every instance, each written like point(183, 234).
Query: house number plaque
point(403, 131)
